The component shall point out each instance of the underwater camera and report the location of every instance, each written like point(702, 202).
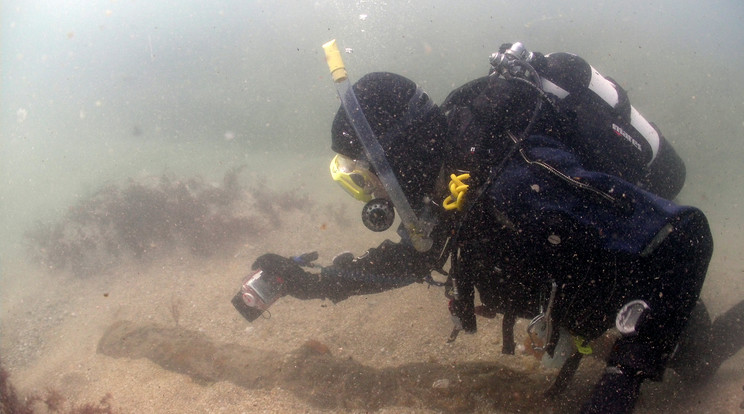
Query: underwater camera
point(258, 292)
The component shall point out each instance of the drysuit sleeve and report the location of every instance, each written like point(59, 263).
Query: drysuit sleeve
point(388, 266)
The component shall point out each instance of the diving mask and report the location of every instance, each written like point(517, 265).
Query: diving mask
point(355, 177)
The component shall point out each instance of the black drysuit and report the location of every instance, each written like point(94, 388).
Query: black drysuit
point(539, 220)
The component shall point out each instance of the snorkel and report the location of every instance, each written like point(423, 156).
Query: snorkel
point(418, 230)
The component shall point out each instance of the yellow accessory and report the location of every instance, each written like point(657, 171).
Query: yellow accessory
point(582, 346)
point(457, 189)
point(353, 177)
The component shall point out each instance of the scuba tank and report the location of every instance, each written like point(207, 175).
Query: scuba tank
point(592, 114)
point(610, 132)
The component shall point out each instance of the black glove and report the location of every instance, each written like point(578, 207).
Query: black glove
point(298, 283)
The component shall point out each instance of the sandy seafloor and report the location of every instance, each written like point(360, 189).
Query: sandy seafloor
point(52, 324)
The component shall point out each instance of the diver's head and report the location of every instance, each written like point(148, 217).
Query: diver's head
point(410, 128)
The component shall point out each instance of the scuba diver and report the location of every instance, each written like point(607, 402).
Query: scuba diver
point(548, 194)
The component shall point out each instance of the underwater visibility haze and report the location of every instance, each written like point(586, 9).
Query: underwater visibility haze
point(151, 150)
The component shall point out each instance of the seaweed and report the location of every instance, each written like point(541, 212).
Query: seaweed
point(175, 309)
point(144, 220)
point(54, 400)
point(328, 382)
point(102, 407)
point(269, 202)
point(11, 402)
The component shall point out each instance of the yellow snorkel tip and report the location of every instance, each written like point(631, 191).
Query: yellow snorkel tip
point(334, 61)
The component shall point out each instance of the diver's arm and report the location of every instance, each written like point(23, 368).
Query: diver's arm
point(388, 266)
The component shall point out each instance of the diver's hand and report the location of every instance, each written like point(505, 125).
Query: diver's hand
point(297, 282)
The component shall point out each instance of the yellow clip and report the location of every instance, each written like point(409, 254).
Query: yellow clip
point(582, 346)
point(457, 189)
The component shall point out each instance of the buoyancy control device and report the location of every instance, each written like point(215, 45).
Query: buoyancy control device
point(576, 104)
